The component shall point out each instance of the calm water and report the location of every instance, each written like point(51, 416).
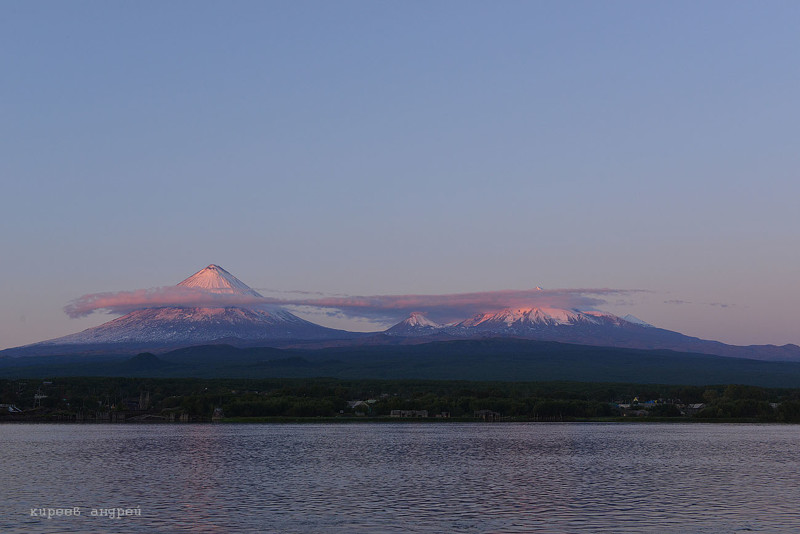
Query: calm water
point(403, 477)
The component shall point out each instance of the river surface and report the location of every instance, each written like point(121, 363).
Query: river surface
point(406, 477)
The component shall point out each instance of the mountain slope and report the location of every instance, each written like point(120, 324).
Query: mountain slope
point(605, 329)
point(164, 328)
point(415, 324)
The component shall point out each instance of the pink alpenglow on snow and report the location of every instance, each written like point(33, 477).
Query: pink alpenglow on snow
point(215, 279)
point(213, 306)
point(455, 307)
point(122, 302)
point(214, 287)
point(419, 319)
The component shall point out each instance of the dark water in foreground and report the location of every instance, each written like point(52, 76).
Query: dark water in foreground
point(403, 477)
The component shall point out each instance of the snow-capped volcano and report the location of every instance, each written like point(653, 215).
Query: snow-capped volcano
point(174, 326)
point(555, 324)
point(415, 324)
point(215, 279)
point(418, 319)
point(527, 318)
point(535, 323)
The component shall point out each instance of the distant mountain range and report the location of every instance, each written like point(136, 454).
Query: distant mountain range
point(167, 328)
point(584, 328)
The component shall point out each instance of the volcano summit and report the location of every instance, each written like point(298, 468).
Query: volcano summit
point(172, 326)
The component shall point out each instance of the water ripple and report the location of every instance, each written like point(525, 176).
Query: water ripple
point(492, 478)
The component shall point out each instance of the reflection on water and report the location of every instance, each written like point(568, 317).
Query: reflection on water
point(403, 477)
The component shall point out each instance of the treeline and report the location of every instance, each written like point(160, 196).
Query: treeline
point(737, 401)
point(326, 397)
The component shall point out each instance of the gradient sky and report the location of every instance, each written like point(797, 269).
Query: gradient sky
point(373, 148)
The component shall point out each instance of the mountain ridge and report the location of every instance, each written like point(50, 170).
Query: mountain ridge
point(160, 329)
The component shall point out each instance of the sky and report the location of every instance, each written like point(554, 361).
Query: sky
point(405, 148)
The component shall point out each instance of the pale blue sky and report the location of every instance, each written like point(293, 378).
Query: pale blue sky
point(405, 147)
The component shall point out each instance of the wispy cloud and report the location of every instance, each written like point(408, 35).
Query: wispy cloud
point(720, 304)
point(715, 304)
point(290, 291)
point(161, 297)
point(443, 308)
point(461, 305)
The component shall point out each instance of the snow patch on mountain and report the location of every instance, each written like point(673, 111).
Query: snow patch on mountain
point(415, 324)
point(215, 279)
point(194, 325)
point(419, 319)
point(635, 320)
point(522, 317)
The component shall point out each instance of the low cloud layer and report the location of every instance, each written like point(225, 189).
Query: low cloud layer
point(715, 304)
point(121, 302)
point(443, 308)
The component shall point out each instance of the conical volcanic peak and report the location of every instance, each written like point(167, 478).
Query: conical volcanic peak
point(217, 280)
point(419, 319)
point(415, 324)
point(226, 316)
